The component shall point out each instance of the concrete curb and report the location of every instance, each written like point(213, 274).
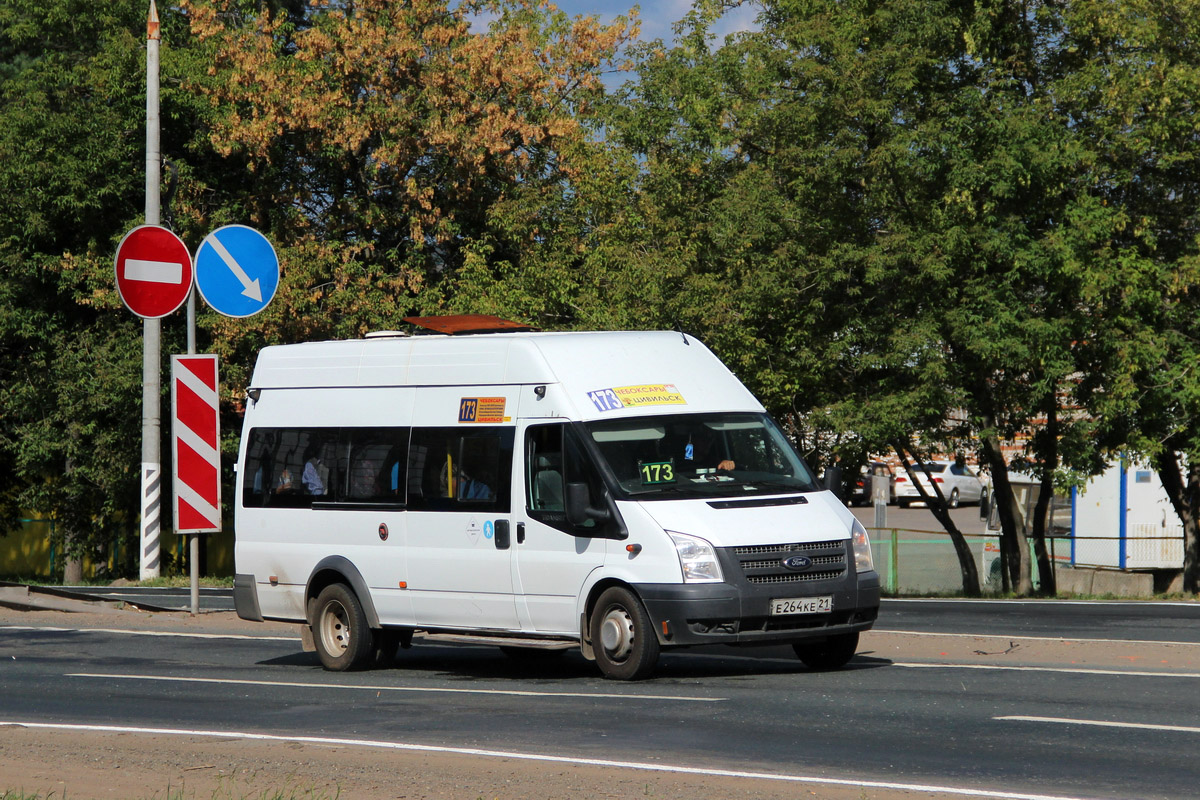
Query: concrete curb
point(29, 598)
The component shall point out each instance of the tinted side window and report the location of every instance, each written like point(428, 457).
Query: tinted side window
point(289, 467)
point(372, 461)
point(460, 469)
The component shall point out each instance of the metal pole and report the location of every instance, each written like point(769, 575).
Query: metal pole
point(893, 581)
point(194, 543)
point(151, 328)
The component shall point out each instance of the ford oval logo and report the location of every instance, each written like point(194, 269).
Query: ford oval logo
point(797, 562)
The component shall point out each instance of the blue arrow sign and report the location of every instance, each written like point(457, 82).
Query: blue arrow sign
point(237, 271)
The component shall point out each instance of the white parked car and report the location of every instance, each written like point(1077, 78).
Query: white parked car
point(959, 484)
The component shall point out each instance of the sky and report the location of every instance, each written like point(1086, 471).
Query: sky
point(658, 16)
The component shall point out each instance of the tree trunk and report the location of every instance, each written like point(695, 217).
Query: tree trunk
point(1014, 548)
point(966, 559)
point(1185, 499)
point(72, 561)
point(1049, 452)
point(72, 572)
point(71, 556)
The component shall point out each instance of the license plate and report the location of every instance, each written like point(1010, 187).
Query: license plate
point(802, 605)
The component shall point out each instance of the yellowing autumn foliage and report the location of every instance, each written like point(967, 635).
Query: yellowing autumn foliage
point(392, 86)
point(384, 132)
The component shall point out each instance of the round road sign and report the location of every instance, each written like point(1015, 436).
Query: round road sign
point(154, 271)
point(237, 271)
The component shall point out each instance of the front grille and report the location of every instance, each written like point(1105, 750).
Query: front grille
point(818, 561)
point(796, 577)
point(828, 562)
point(799, 548)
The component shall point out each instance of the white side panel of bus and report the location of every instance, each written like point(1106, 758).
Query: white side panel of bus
point(287, 543)
point(457, 575)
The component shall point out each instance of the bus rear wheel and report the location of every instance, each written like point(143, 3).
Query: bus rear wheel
point(340, 630)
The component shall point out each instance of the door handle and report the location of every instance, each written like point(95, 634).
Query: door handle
point(502, 537)
point(521, 532)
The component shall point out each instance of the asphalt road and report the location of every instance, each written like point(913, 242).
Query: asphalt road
point(1027, 727)
point(1101, 621)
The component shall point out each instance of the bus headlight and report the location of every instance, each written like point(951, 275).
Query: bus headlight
point(862, 547)
point(697, 558)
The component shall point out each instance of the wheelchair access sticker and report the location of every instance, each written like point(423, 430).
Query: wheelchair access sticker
point(655, 394)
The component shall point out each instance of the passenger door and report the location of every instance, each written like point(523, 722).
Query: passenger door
point(459, 504)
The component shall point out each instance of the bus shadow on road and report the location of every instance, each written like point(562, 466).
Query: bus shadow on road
point(470, 663)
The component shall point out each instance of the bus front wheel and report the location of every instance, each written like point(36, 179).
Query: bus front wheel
point(622, 636)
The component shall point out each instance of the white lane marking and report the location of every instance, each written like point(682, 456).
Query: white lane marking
point(1036, 602)
point(1145, 726)
point(1061, 639)
point(137, 269)
point(180, 634)
point(591, 762)
point(421, 689)
point(1015, 668)
point(1068, 670)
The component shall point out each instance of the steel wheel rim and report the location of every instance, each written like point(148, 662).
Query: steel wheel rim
point(616, 633)
point(335, 628)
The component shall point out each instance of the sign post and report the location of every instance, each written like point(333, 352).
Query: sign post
point(154, 276)
point(236, 272)
point(151, 327)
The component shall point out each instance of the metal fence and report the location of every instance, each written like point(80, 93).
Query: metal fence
point(924, 561)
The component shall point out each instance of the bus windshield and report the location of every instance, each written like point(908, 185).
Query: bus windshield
point(700, 455)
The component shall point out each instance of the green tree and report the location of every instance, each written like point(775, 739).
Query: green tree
point(882, 212)
point(1136, 69)
point(69, 104)
point(370, 141)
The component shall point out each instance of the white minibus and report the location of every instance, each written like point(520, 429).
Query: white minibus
point(617, 492)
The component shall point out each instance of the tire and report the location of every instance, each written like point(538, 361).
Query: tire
point(903, 503)
point(833, 653)
point(343, 638)
point(622, 635)
point(953, 501)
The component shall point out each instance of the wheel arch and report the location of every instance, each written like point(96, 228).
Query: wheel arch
point(339, 569)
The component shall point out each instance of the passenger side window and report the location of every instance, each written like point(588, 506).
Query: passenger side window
point(289, 467)
point(460, 469)
point(374, 465)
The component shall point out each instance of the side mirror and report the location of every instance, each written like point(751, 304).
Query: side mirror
point(579, 510)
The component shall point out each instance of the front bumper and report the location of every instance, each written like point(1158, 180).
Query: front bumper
point(737, 611)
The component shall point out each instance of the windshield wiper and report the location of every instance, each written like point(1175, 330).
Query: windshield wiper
point(665, 489)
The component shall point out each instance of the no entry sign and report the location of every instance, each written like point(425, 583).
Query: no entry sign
point(195, 443)
point(154, 271)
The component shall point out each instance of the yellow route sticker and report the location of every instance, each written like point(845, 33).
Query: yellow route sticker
point(654, 394)
point(488, 410)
